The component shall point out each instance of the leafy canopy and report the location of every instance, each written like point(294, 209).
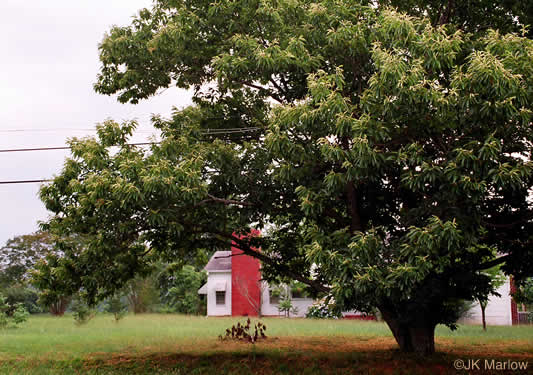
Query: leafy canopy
point(391, 153)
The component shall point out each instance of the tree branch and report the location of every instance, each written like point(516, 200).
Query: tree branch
point(494, 262)
point(227, 202)
point(247, 249)
point(447, 13)
point(261, 88)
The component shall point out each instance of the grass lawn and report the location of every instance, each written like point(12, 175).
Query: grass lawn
point(174, 344)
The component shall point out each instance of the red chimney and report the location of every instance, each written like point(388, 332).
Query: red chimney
point(245, 281)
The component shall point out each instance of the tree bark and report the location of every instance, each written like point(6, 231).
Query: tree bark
point(353, 208)
point(415, 337)
point(483, 319)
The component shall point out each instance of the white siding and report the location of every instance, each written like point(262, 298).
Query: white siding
point(268, 309)
point(213, 279)
point(498, 311)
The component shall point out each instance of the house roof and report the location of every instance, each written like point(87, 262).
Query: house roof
point(220, 261)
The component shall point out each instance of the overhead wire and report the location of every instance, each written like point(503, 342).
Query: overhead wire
point(205, 132)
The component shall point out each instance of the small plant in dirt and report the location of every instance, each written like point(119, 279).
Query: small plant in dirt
point(17, 316)
point(117, 307)
point(245, 332)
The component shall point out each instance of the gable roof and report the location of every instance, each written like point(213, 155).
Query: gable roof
point(220, 261)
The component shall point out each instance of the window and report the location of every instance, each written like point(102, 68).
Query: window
point(298, 290)
point(274, 296)
point(221, 298)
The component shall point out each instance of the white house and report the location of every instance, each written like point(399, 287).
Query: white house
point(234, 288)
point(499, 311)
point(218, 286)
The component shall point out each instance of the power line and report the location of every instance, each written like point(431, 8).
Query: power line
point(205, 132)
point(137, 130)
point(68, 147)
point(23, 182)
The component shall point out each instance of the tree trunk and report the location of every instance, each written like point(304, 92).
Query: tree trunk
point(416, 337)
point(58, 308)
point(483, 305)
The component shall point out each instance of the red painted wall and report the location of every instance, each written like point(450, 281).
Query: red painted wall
point(514, 307)
point(245, 276)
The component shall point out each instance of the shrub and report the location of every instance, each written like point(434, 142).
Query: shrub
point(21, 294)
point(181, 289)
point(19, 313)
point(323, 310)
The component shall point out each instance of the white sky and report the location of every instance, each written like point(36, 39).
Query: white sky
point(48, 65)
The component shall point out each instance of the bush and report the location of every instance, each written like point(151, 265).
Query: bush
point(322, 310)
point(181, 294)
point(21, 294)
point(19, 313)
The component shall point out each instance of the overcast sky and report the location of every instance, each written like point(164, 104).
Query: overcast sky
point(48, 64)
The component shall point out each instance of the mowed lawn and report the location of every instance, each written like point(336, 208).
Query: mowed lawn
point(176, 344)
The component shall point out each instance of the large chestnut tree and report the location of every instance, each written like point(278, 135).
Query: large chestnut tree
point(385, 158)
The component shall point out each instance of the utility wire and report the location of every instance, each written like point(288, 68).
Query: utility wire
point(205, 132)
point(23, 182)
point(68, 148)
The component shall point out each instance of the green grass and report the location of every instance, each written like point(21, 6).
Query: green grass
point(177, 344)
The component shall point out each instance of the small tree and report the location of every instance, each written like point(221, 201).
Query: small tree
point(497, 279)
point(285, 303)
point(117, 307)
point(81, 311)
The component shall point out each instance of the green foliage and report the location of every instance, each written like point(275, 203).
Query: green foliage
point(20, 254)
point(524, 292)
point(387, 158)
point(142, 294)
point(298, 290)
point(81, 312)
point(182, 294)
point(23, 294)
point(323, 310)
point(245, 332)
point(117, 307)
point(507, 16)
point(18, 258)
point(20, 315)
point(286, 306)
point(497, 279)
point(15, 314)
